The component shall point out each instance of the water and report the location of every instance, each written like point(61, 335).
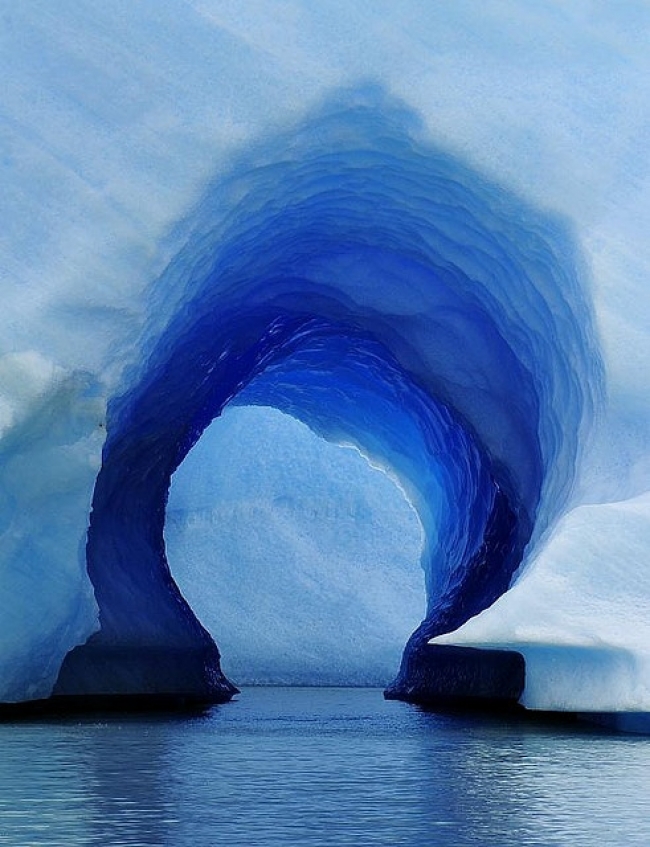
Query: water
point(319, 767)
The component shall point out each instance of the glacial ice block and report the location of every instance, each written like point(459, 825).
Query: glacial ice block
point(587, 649)
point(472, 307)
point(50, 452)
point(387, 296)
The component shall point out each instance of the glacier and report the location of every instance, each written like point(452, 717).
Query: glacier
point(419, 232)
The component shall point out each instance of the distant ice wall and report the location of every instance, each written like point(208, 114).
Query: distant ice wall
point(300, 559)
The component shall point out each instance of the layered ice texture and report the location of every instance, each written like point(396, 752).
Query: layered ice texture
point(404, 292)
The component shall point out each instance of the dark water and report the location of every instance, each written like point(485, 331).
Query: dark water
point(319, 767)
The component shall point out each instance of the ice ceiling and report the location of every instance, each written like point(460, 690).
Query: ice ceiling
point(344, 268)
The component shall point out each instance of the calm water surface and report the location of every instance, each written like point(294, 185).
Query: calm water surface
point(319, 767)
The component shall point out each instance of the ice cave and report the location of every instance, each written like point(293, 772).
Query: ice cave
point(448, 292)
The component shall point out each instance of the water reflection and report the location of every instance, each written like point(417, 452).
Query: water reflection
point(91, 782)
point(319, 767)
point(128, 801)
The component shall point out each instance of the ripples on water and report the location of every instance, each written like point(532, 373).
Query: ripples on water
point(319, 767)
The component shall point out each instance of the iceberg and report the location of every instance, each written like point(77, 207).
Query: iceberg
point(435, 256)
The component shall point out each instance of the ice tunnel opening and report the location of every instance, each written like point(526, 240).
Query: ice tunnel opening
point(299, 557)
point(347, 387)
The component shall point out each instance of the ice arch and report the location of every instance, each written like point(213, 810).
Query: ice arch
point(385, 294)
